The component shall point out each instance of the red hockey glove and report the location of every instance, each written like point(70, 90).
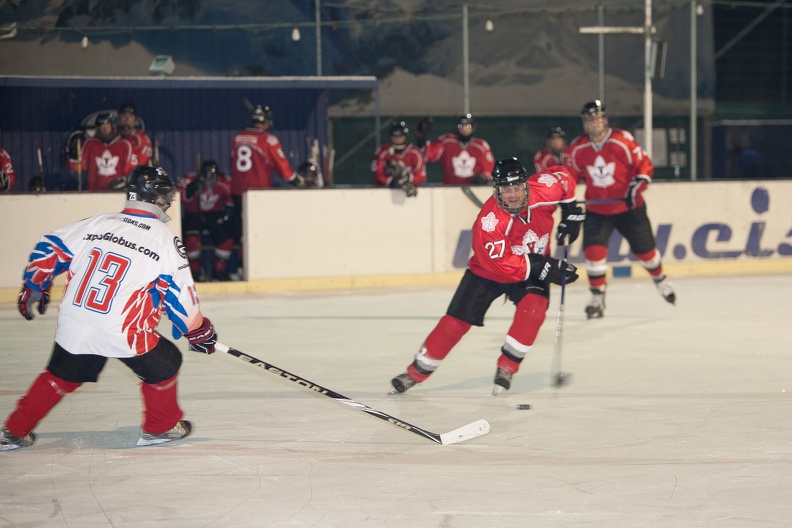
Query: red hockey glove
point(552, 270)
point(28, 297)
point(204, 338)
point(636, 187)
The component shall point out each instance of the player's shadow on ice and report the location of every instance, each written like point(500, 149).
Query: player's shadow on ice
point(522, 382)
point(120, 438)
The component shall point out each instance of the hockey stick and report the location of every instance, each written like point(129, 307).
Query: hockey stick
point(559, 377)
point(466, 432)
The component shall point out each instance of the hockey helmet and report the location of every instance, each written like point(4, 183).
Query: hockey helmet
point(556, 132)
point(510, 185)
point(310, 173)
point(209, 171)
point(398, 134)
point(151, 185)
point(262, 114)
point(105, 119)
point(595, 118)
point(127, 108)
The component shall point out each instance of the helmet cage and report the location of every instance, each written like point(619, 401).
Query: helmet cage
point(151, 185)
point(509, 177)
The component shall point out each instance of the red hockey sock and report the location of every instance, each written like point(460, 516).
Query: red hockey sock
point(651, 261)
point(439, 342)
point(528, 319)
point(160, 408)
point(44, 393)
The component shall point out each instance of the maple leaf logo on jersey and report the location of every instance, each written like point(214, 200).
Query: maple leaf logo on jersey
point(601, 172)
point(532, 243)
point(207, 200)
point(547, 179)
point(489, 222)
point(107, 164)
point(464, 164)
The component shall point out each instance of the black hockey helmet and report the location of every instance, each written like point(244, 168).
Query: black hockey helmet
point(262, 114)
point(510, 173)
point(151, 185)
point(556, 132)
point(209, 171)
point(466, 119)
point(103, 119)
point(398, 128)
point(593, 109)
point(127, 108)
point(309, 170)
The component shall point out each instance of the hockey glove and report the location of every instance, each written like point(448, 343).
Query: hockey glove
point(228, 214)
point(191, 189)
point(204, 338)
point(634, 190)
point(119, 184)
point(546, 268)
point(298, 182)
point(28, 297)
point(569, 226)
point(479, 179)
point(409, 189)
point(5, 181)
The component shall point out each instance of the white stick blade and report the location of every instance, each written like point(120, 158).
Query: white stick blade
point(466, 432)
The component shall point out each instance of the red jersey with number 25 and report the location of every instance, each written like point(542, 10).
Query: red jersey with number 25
point(502, 241)
point(255, 155)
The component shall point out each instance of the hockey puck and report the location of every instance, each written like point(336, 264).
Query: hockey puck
point(523, 407)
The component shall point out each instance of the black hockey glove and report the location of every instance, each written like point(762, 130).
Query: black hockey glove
point(409, 189)
point(191, 189)
point(572, 217)
point(204, 338)
point(28, 297)
point(298, 182)
point(480, 179)
point(119, 184)
point(552, 270)
point(5, 181)
point(634, 190)
point(228, 214)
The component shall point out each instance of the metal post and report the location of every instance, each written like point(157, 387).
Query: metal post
point(693, 140)
point(318, 38)
point(648, 77)
point(465, 61)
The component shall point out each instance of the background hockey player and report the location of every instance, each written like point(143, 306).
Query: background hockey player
point(553, 152)
point(142, 149)
point(105, 159)
point(465, 159)
point(7, 174)
point(257, 154)
point(311, 175)
point(613, 166)
point(207, 205)
point(124, 270)
point(511, 257)
point(399, 164)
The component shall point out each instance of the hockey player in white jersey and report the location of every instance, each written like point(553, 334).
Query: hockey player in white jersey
point(123, 270)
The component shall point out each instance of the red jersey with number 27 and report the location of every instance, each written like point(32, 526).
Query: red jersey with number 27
point(503, 241)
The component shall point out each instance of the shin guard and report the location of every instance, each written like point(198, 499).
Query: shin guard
point(160, 406)
point(44, 393)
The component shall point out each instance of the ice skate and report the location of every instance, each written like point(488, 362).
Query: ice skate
point(9, 441)
point(401, 383)
point(595, 308)
point(182, 429)
point(666, 289)
point(502, 381)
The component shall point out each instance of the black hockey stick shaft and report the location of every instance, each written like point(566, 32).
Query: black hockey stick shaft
point(557, 375)
point(440, 439)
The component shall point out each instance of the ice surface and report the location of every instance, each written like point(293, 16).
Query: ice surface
point(676, 416)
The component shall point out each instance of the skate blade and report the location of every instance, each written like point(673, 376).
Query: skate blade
point(496, 390)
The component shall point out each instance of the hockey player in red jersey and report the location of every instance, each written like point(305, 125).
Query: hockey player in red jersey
point(613, 166)
point(207, 204)
point(142, 149)
point(106, 158)
point(465, 159)
point(511, 256)
point(553, 152)
point(7, 174)
point(123, 271)
point(399, 164)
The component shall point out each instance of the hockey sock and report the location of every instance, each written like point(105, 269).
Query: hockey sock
point(596, 266)
point(528, 319)
point(160, 408)
point(44, 393)
point(651, 261)
point(192, 242)
point(222, 254)
point(438, 344)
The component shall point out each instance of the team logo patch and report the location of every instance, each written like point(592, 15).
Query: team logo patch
point(489, 222)
point(180, 249)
